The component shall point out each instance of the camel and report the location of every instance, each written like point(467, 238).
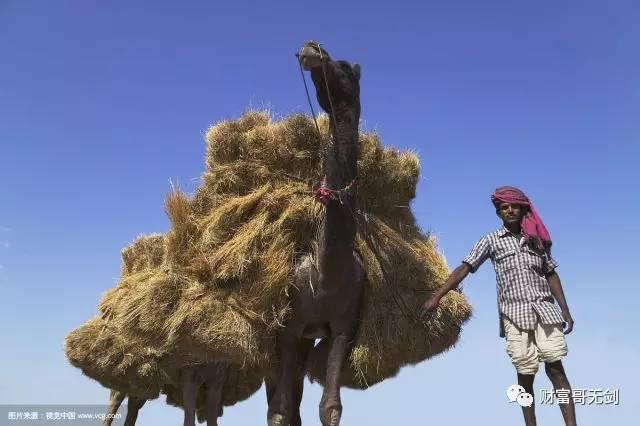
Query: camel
point(327, 293)
point(192, 378)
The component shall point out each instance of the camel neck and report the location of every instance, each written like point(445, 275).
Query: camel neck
point(339, 226)
point(341, 160)
point(342, 105)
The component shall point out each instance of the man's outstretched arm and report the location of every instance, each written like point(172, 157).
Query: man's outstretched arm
point(556, 289)
point(452, 282)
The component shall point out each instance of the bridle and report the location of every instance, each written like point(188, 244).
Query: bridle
point(325, 194)
point(326, 82)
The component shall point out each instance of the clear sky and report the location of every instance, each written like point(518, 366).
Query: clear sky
point(102, 103)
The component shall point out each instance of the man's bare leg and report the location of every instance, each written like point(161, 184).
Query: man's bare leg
point(529, 413)
point(559, 379)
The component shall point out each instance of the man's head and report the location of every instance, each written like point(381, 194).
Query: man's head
point(511, 213)
point(514, 208)
point(511, 205)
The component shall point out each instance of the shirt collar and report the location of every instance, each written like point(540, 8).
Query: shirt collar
point(504, 231)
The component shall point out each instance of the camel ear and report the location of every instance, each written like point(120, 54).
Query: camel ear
point(356, 71)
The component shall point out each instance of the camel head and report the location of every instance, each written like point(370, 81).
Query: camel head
point(311, 55)
point(344, 78)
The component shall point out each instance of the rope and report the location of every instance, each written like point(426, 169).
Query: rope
point(306, 89)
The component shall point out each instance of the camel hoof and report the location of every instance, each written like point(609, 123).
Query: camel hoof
point(277, 420)
point(331, 416)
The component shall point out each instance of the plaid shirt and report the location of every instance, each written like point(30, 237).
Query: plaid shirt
point(523, 291)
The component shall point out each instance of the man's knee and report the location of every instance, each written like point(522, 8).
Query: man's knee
point(526, 381)
point(554, 370)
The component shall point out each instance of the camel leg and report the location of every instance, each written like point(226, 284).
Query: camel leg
point(270, 386)
point(330, 404)
point(214, 383)
point(133, 406)
point(115, 400)
point(305, 347)
point(343, 334)
point(190, 386)
point(281, 405)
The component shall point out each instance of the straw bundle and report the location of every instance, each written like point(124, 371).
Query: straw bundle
point(138, 365)
point(260, 216)
point(220, 291)
point(103, 355)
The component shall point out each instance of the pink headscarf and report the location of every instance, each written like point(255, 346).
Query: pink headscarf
point(532, 226)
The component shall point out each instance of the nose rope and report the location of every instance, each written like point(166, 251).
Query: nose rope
point(306, 89)
point(324, 194)
point(326, 84)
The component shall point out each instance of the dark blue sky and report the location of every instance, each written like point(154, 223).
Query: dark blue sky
point(102, 103)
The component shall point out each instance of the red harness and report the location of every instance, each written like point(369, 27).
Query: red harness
point(324, 195)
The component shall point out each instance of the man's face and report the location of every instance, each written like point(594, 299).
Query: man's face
point(511, 213)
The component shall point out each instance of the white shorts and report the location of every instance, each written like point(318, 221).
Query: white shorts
point(527, 348)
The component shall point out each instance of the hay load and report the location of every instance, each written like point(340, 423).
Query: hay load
point(144, 367)
point(103, 355)
point(103, 352)
point(219, 289)
point(259, 179)
point(237, 239)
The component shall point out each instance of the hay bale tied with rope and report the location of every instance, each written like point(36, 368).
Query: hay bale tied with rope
point(100, 348)
point(119, 359)
point(172, 305)
point(220, 292)
point(260, 215)
point(117, 363)
point(114, 362)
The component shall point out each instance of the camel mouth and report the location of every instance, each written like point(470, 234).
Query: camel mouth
point(311, 55)
point(310, 52)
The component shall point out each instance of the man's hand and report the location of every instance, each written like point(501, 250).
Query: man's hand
point(556, 290)
point(431, 304)
point(450, 283)
point(568, 322)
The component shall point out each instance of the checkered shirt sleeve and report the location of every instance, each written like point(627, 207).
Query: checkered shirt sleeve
point(479, 253)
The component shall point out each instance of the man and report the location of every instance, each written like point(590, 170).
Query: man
point(527, 284)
